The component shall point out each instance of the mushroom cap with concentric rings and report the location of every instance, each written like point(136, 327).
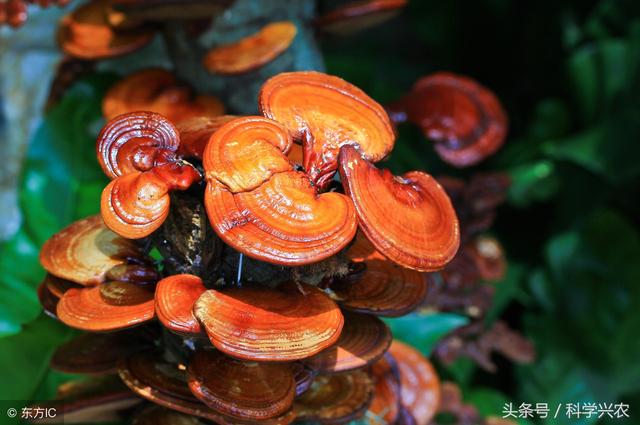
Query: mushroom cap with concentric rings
point(174, 298)
point(423, 231)
point(264, 324)
point(237, 388)
point(325, 112)
point(85, 251)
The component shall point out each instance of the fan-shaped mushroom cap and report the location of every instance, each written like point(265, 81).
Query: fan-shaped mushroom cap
point(422, 233)
point(284, 221)
point(419, 383)
point(86, 34)
point(266, 324)
point(134, 273)
point(364, 339)
point(488, 257)
point(247, 390)
point(359, 15)
point(158, 90)
point(252, 51)
point(385, 405)
point(325, 112)
point(84, 251)
point(134, 142)
point(196, 132)
point(93, 353)
point(465, 119)
point(107, 307)
point(247, 151)
point(335, 399)
point(58, 286)
point(175, 297)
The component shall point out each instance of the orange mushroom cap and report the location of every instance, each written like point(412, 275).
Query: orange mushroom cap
point(335, 399)
point(85, 251)
point(419, 383)
point(252, 51)
point(364, 339)
point(158, 90)
point(324, 112)
point(175, 297)
point(246, 390)
point(196, 132)
point(423, 231)
point(488, 256)
point(464, 118)
point(266, 324)
point(358, 15)
point(135, 141)
point(246, 152)
point(107, 307)
point(385, 405)
point(86, 34)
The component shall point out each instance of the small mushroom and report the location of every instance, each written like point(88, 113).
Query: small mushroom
point(247, 390)
point(423, 231)
point(364, 339)
point(86, 34)
point(464, 119)
point(159, 91)
point(264, 324)
point(419, 383)
point(196, 132)
point(258, 205)
point(252, 51)
point(58, 286)
point(358, 15)
point(489, 258)
point(107, 307)
point(324, 112)
point(85, 251)
point(174, 299)
point(335, 399)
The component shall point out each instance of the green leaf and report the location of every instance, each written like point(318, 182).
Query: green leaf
point(422, 330)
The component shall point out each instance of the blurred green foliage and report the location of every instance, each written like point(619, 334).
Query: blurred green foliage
point(567, 71)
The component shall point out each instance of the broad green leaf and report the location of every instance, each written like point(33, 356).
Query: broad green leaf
point(424, 330)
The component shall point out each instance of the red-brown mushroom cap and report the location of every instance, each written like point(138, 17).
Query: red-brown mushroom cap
point(419, 383)
point(108, 307)
point(358, 15)
point(325, 112)
point(196, 132)
point(304, 377)
point(247, 390)
point(488, 256)
point(58, 286)
point(158, 90)
point(48, 300)
point(266, 324)
point(364, 339)
point(422, 233)
point(335, 399)
point(93, 353)
point(385, 405)
point(465, 119)
point(175, 297)
point(85, 251)
point(134, 141)
point(284, 221)
point(252, 51)
point(86, 34)
point(246, 152)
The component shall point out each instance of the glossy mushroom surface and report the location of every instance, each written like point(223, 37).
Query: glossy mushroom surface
point(159, 91)
point(419, 383)
point(364, 339)
point(358, 15)
point(86, 34)
point(324, 112)
point(196, 132)
point(263, 324)
point(174, 299)
point(423, 231)
point(85, 251)
point(252, 51)
point(335, 399)
point(464, 119)
point(247, 390)
point(385, 405)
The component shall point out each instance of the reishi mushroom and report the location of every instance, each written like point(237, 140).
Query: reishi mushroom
point(358, 15)
point(423, 231)
point(251, 52)
point(263, 324)
point(158, 90)
point(175, 297)
point(464, 119)
point(195, 133)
